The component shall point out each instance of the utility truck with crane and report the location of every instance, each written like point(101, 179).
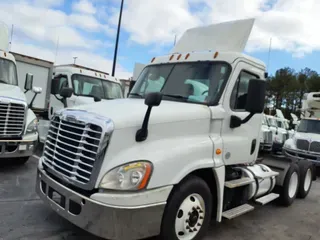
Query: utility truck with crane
point(180, 151)
point(18, 123)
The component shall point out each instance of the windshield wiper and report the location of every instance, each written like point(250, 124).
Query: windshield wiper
point(136, 94)
point(175, 96)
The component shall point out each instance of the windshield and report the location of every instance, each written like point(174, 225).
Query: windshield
point(8, 72)
point(82, 86)
point(272, 122)
point(309, 126)
point(198, 82)
point(264, 121)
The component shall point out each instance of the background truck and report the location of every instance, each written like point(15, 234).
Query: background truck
point(179, 151)
point(42, 75)
point(18, 123)
point(74, 85)
point(305, 143)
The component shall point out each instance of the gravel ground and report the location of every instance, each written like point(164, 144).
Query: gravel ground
point(24, 216)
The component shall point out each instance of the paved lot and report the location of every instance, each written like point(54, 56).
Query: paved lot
point(23, 216)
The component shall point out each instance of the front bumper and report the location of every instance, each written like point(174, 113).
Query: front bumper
point(276, 146)
point(298, 154)
point(106, 221)
point(265, 146)
point(18, 148)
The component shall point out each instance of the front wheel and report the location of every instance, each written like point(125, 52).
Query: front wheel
point(188, 211)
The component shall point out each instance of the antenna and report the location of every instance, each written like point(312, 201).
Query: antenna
point(57, 47)
point(11, 37)
point(175, 39)
point(269, 54)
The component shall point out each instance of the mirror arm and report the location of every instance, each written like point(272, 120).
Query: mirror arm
point(247, 118)
point(142, 133)
point(26, 91)
point(34, 97)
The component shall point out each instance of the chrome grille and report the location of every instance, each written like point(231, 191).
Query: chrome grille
point(303, 144)
point(267, 137)
point(315, 147)
point(285, 136)
point(12, 117)
point(73, 149)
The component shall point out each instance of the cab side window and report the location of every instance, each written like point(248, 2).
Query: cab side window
point(240, 90)
point(58, 83)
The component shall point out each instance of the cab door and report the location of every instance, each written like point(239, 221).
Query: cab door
point(240, 144)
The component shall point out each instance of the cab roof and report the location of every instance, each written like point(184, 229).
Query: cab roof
point(82, 70)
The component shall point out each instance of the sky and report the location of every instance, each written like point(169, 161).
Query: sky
point(58, 30)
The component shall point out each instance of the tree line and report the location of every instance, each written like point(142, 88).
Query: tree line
point(286, 88)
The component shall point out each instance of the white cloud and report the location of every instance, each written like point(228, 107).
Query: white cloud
point(291, 24)
point(84, 6)
point(48, 3)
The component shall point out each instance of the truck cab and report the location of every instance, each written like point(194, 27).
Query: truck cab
point(266, 137)
point(179, 151)
point(18, 123)
point(280, 134)
point(305, 142)
point(87, 86)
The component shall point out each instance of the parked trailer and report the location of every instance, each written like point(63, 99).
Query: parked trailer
point(179, 151)
point(42, 75)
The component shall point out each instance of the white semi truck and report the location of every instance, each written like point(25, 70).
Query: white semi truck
point(305, 143)
point(180, 151)
point(82, 85)
point(18, 123)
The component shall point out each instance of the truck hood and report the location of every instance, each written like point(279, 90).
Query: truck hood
point(130, 112)
point(307, 136)
point(11, 91)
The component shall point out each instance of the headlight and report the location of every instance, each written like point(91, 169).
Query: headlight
point(33, 126)
point(131, 176)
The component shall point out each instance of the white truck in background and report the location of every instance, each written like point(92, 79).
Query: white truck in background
point(305, 143)
point(18, 123)
point(42, 75)
point(180, 151)
point(266, 136)
point(73, 85)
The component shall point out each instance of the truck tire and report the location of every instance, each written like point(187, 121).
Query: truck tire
point(306, 177)
point(289, 190)
point(188, 211)
point(22, 160)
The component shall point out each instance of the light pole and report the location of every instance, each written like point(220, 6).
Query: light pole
point(117, 41)
point(75, 58)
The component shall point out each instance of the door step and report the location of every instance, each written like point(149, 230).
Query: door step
point(238, 182)
point(265, 175)
point(267, 198)
point(237, 211)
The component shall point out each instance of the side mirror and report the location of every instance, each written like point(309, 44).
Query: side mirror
point(96, 93)
point(55, 84)
point(256, 96)
point(153, 99)
point(131, 84)
point(37, 90)
point(66, 92)
point(254, 103)
point(29, 82)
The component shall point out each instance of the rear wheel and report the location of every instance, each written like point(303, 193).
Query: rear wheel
point(188, 211)
point(289, 190)
point(306, 177)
